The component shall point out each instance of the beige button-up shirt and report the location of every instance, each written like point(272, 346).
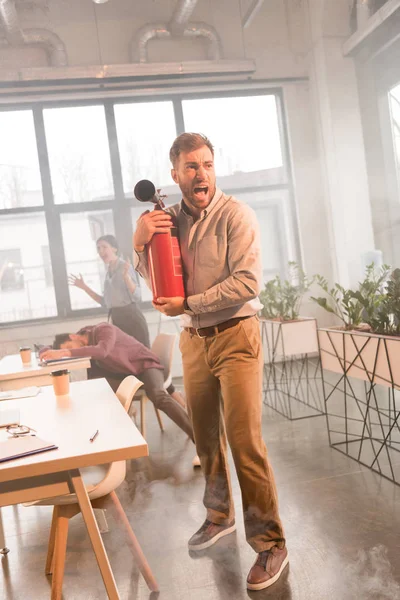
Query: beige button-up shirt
point(221, 258)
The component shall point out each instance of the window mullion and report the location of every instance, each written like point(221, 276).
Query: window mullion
point(122, 206)
point(56, 245)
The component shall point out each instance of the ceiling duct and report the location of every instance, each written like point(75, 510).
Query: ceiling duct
point(161, 31)
point(178, 25)
point(181, 15)
point(251, 13)
point(9, 19)
point(52, 44)
point(15, 36)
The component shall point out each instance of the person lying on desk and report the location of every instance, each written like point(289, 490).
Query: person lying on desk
point(118, 355)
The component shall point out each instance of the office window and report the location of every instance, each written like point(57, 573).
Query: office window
point(145, 134)
point(12, 274)
point(78, 153)
point(20, 184)
point(80, 232)
point(48, 273)
point(394, 99)
point(245, 134)
point(24, 292)
point(89, 158)
point(249, 162)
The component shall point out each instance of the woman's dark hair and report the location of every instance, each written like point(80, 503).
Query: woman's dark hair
point(110, 239)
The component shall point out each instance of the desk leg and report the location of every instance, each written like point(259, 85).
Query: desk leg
point(3, 549)
point(94, 534)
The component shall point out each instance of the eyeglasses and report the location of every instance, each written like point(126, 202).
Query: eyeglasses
point(19, 430)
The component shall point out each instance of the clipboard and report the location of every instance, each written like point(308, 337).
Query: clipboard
point(19, 447)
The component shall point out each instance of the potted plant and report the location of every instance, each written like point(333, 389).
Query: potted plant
point(288, 333)
point(365, 346)
point(289, 340)
point(363, 421)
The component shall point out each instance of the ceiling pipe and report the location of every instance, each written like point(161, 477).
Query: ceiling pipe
point(142, 38)
point(161, 31)
point(15, 36)
point(251, 13)
point(208, 32)
point(52, 44)
point(10, 21)
point(181, 15)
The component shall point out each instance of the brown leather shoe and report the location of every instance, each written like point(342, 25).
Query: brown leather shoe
point(267, 568)
point(208, 534)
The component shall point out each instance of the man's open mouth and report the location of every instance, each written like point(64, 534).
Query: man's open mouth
point(201, 189)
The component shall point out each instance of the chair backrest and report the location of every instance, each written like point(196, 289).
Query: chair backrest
point(126, 390)
point(163, 348)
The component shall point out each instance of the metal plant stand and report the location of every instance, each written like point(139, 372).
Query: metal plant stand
point(292, 383)
point(363, 417)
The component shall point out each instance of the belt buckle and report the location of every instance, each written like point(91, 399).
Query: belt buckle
point(197, 333)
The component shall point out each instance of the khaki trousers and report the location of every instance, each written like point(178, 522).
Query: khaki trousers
point(223, 385)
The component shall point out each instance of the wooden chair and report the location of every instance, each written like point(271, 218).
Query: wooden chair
point(100, 482)
point(163, 347)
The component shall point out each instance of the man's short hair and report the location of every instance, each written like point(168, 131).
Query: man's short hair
point(187, 142)
point(60, 338)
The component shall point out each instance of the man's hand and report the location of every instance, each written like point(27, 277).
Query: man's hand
point(149, 223)
point(50, 354)
point(170, 306)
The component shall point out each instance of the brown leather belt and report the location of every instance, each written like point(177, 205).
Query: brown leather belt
point(204, 332)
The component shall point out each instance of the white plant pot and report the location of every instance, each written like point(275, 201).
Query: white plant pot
point(289, 338)
point(370, 357)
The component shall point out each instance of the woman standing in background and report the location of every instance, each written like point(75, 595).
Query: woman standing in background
point(121, 296)
point(121, 293)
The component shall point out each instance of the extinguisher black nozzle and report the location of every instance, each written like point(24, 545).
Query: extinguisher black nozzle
point(144, 190)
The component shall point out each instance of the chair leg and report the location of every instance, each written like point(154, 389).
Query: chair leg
point(134, 545)
point(143, 416)
point(158, 415)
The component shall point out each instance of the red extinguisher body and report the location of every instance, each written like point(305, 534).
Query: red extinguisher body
point(165, 265)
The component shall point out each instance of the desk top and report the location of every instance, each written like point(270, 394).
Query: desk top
point(11, 367)
point(70, 422)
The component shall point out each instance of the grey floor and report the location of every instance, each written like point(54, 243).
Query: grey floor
point(342, 525)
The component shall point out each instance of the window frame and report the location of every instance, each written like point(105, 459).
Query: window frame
point(120, 204)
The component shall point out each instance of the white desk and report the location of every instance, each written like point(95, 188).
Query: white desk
point(14, 376)
point(69, 423)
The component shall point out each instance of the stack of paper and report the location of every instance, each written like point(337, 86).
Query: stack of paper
point(23, 393)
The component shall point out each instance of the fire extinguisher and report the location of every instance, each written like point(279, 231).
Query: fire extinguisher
point(163, 251)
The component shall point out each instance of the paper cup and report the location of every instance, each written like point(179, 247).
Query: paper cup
point(26, 355)
point(60, 381)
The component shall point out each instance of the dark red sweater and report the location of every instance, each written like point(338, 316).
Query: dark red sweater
point(117, 351)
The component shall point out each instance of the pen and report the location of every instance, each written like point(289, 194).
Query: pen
point(94, 436)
